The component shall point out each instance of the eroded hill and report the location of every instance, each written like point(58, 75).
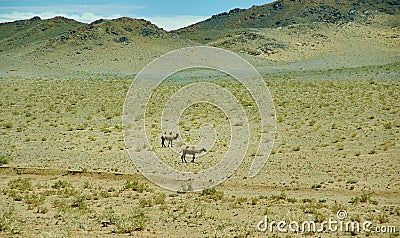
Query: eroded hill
point(120, 46)
point(342, 33)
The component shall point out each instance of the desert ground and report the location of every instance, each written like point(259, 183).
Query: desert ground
point(65, 171)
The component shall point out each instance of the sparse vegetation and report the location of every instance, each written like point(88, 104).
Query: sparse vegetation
point(21, 184)
point(136, 186)
point(145, 202)
point(159, 198)
point(8, 125)
point(7, 220)
point(128, 223)
point(255, 200)
point(34, 200)
point(4, 160)
point(278, 197)
point(335, 91)
point(212, 193)
point(61, 184)
point(363, 198)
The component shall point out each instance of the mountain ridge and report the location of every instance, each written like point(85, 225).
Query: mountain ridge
point(287, 12)
point(128, 44)
point(112, 46)
point(284, 13)
point(23, 32)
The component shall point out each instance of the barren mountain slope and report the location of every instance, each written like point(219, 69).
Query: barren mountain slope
point(289, 12)
point(26, 32)
point(121, 46)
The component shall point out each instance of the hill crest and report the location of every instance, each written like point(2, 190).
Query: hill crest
point(287, 12)
point(125, 45)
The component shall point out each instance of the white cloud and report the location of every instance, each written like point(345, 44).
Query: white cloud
point(165, 22)
point(175, 22)
point(79, 12)
point(90, 13)
point(104, 9)
point(84, 17)
point(7, 17)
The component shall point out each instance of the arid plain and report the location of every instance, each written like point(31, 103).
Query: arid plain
point(66, 173)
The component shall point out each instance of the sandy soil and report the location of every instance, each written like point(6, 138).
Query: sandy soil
point(336, 148)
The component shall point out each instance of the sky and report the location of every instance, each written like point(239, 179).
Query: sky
point(168, 14)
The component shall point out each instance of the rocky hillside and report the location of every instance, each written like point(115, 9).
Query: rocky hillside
point(25, 32)
point(281, 32)
point(293, 30)
point(122, 45)
point(121, 30)
point(289, 12)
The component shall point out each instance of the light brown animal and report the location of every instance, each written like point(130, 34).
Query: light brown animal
point(191, 150)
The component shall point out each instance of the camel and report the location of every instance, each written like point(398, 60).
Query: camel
point(168, 138)
point(191, 150)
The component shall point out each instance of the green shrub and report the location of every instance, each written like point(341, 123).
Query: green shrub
point(4, 160)
point(143, 202)
point(16, 195)
point(61, 205)
point(281, 196)
point(136, 186)
point(159, 198)
point(241, 200)
point(7, 220)
point(35, 199)
point(387, 126)
point(87, 184)
point(20, 184)
point(8, 125)
point(291, 200)
point(128, 223)
point(255, 200)
point(363, 198)
point(304, 200)
point(61, 184)
point(312, 122)
point(80, 203)
point(212, 193)
point(337, 207)
point(296, 148)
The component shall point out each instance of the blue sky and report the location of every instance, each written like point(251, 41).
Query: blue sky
point(168, 14)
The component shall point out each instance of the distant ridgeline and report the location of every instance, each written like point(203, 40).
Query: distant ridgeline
point(287, 12)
